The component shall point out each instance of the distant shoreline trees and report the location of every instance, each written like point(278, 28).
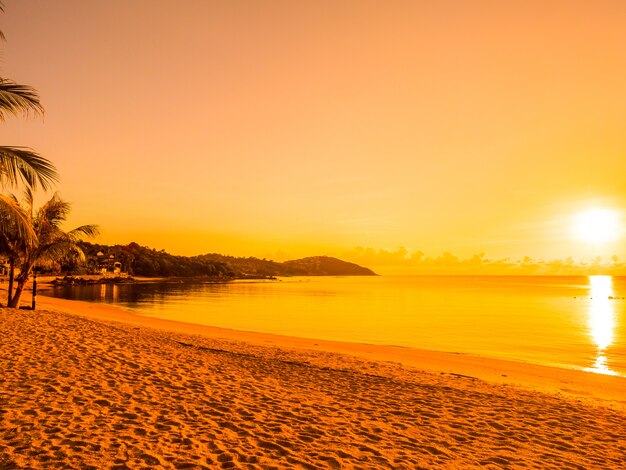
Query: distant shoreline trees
point(147, 262)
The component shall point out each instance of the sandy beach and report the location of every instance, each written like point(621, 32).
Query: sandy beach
point(88, 386)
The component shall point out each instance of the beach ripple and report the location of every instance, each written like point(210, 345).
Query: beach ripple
point(80, 394)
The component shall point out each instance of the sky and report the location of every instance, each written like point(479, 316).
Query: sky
point(284, 129)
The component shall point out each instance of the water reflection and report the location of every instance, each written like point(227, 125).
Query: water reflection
point(543, 322)
point(103, 291)
point(601, 320)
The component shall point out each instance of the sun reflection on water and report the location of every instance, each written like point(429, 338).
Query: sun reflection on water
point(601, 320)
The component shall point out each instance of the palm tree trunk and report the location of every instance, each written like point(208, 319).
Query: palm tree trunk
point(15, 301)
point(11, 278)
point(21, 279)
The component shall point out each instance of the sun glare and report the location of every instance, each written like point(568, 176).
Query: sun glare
point(597, 225)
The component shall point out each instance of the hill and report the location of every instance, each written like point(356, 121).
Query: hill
point(328, 266)
point(147, 262)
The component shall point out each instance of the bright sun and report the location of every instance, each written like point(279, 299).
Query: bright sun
point(597, 225)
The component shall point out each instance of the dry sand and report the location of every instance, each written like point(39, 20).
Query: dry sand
point(108, 389)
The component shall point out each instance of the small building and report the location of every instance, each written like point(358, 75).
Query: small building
point(108, 265)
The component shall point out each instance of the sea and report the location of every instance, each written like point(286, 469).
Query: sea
point(563, 321)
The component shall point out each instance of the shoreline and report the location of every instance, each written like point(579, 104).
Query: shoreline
point(580, 384)
point(92, 386)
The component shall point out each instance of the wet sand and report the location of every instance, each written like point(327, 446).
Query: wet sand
point(92, 386)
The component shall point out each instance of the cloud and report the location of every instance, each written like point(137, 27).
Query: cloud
point(448, 263)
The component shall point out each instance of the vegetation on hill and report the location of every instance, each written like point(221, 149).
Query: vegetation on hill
point(147, 262)
point(327, 266)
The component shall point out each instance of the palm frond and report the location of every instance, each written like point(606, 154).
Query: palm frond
point(29, 198)
point(21, 164)
point(78, 252)
point(17, 99)
point(79, 233)
point(51, 252)
point(53, 213)
point(13, 197)
point(2, 37)
point(14, 221)
point(2, 10)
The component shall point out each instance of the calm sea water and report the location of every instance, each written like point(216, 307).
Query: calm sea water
point(574, 322)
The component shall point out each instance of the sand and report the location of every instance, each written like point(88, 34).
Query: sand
point(86, 386)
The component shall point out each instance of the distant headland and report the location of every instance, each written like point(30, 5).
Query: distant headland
point(140, 261)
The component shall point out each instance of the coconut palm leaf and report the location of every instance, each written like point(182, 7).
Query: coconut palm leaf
point(18, 99)
point(29, 200)
point(23, 165)
point(52, 251)
point(83, 231)
point(2, 10)
point(48, 219)
point(15, 224)
point(47, 225)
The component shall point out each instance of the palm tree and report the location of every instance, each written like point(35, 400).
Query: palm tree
point(19, 165)
point(15, 234)
point(51, 241)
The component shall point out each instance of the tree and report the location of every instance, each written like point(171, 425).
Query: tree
point(20, 165)
point(15, 233)
point(51, 242)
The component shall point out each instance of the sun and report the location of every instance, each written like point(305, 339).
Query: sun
point(597, 225)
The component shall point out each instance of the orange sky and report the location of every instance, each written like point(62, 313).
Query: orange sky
point(248, 127)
